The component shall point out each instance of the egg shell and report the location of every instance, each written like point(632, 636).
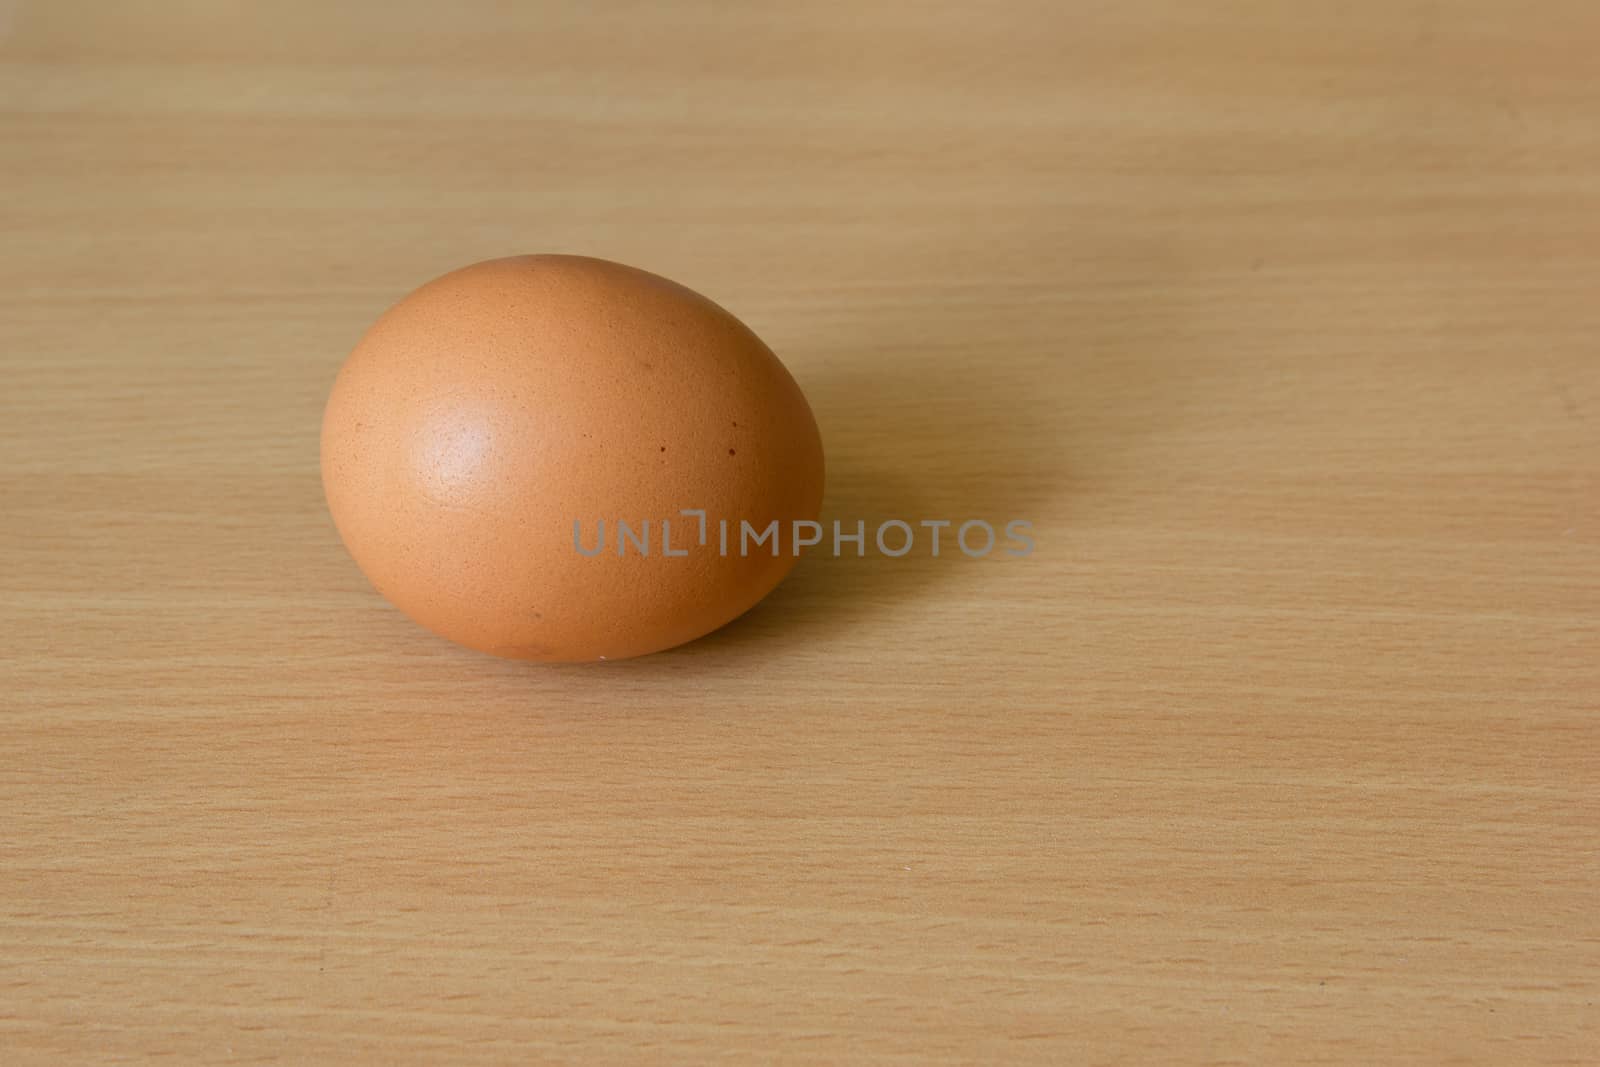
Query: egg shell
point(490, 410)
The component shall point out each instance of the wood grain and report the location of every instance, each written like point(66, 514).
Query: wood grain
point(1278, 321)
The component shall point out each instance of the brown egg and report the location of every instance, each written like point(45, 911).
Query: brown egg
point(497, 420)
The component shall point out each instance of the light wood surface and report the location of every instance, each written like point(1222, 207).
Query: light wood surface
point(1280, 321)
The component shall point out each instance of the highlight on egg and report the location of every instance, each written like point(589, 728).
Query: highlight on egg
point(492, 409)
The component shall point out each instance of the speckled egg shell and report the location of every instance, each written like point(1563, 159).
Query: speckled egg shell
point(489, 410)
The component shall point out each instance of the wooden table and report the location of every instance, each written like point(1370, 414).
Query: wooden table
point(1280, 322)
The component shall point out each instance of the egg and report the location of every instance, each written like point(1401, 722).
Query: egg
point(559, 458)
